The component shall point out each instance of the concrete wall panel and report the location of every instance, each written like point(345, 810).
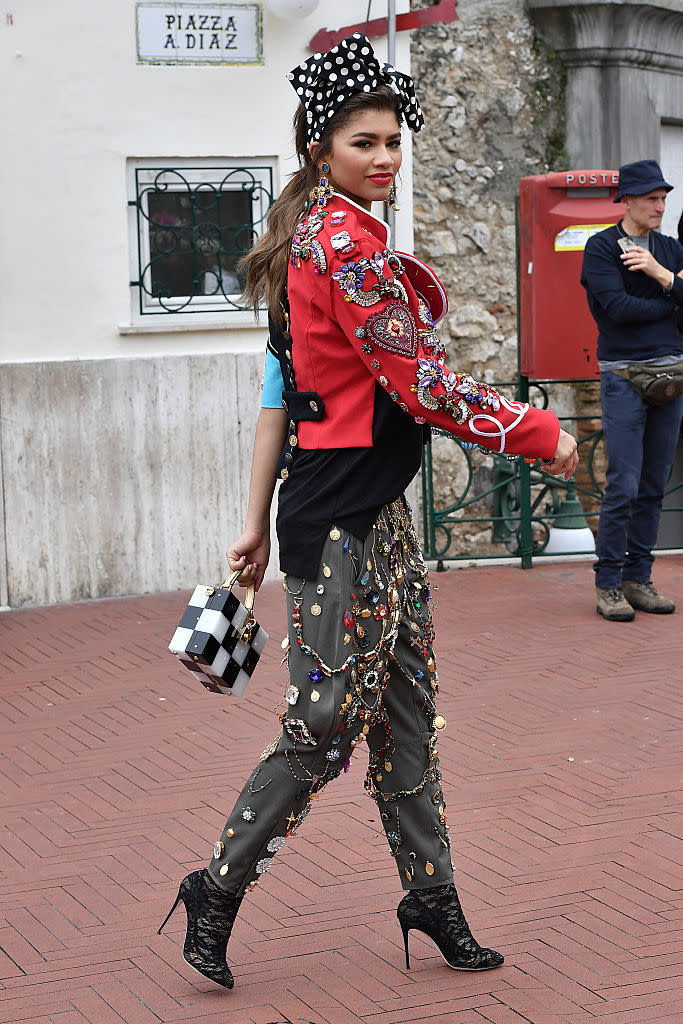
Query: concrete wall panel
point(124, 475)
point(3, 545)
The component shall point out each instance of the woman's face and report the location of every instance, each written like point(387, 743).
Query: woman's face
point(365, 156)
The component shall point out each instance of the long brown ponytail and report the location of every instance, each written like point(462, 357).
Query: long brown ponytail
point(266, 264)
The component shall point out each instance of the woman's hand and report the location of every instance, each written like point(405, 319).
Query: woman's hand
point(566, 457)
point(250, 554)
point(638, 258)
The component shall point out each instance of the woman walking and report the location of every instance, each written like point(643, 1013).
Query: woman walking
point(354, 360)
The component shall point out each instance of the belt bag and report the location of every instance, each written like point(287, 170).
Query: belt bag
point(218, 639)
point(658, 385)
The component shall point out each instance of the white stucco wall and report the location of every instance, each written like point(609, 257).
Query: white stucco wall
point(80, 107)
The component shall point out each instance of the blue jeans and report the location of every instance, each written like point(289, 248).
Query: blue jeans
point(641, 443)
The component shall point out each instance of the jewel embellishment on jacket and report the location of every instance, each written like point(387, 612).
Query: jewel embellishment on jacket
point(342, 242)
point(351, 275)
point(305, 245)
point(429, 375)
point(350, 278)
point(432, 345)
point(393, 329)
point(424, 313)
point(478, 394)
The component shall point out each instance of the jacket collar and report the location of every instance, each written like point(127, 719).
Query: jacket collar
point(375, 225)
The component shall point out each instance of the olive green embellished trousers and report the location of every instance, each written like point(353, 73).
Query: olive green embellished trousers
point(361, 668)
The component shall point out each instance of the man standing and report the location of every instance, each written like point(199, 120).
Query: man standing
point(634, 281)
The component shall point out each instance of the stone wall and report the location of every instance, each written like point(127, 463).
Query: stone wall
point(493, 98)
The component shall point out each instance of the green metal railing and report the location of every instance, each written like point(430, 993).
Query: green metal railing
point(194, 225)
point(524, 501)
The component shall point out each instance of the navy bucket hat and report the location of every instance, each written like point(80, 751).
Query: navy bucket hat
point(639, 178)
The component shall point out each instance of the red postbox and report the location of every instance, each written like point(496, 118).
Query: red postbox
point(557, 215)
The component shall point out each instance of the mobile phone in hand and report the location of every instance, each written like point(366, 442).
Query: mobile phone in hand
point(626, 243)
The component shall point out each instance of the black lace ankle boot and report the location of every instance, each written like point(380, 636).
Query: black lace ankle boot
point(211, 914)
point(437, 913)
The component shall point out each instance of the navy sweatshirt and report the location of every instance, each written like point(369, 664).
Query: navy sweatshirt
point(635, 317)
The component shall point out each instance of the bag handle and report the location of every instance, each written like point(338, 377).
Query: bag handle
point(251, 591)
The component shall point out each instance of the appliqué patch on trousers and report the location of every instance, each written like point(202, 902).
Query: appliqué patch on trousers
point(298, 730)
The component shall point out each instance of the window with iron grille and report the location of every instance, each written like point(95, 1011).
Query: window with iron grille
point(193, 222)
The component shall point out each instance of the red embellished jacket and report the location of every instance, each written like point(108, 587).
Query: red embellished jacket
point(357, 319)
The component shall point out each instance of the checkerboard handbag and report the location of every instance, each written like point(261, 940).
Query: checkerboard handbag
point(218, 639)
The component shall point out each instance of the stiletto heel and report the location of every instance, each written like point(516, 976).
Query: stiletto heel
point(438, 914)
point(177, 901)
point(405, 929)
point(211, 914)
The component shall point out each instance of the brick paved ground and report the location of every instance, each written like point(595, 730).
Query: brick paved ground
point(561, 757)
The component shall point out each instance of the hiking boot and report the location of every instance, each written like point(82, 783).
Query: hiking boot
point(613, 605)
point(645, 598)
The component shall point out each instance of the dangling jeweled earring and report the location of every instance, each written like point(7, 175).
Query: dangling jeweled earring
point(323, 190)
point(392, 197)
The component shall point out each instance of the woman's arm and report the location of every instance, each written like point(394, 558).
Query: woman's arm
point(251, 551)
point(374, 303)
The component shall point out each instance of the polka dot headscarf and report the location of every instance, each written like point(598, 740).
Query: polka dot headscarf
point(326, 80)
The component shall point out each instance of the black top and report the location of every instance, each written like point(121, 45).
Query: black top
point(344, 487)
point(635, 317)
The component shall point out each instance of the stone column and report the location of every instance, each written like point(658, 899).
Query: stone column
point(624, 64)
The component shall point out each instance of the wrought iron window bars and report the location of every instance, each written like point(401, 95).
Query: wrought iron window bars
point(193, 226)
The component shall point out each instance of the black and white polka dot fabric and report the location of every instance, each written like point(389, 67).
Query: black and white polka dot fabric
point(326, 80)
